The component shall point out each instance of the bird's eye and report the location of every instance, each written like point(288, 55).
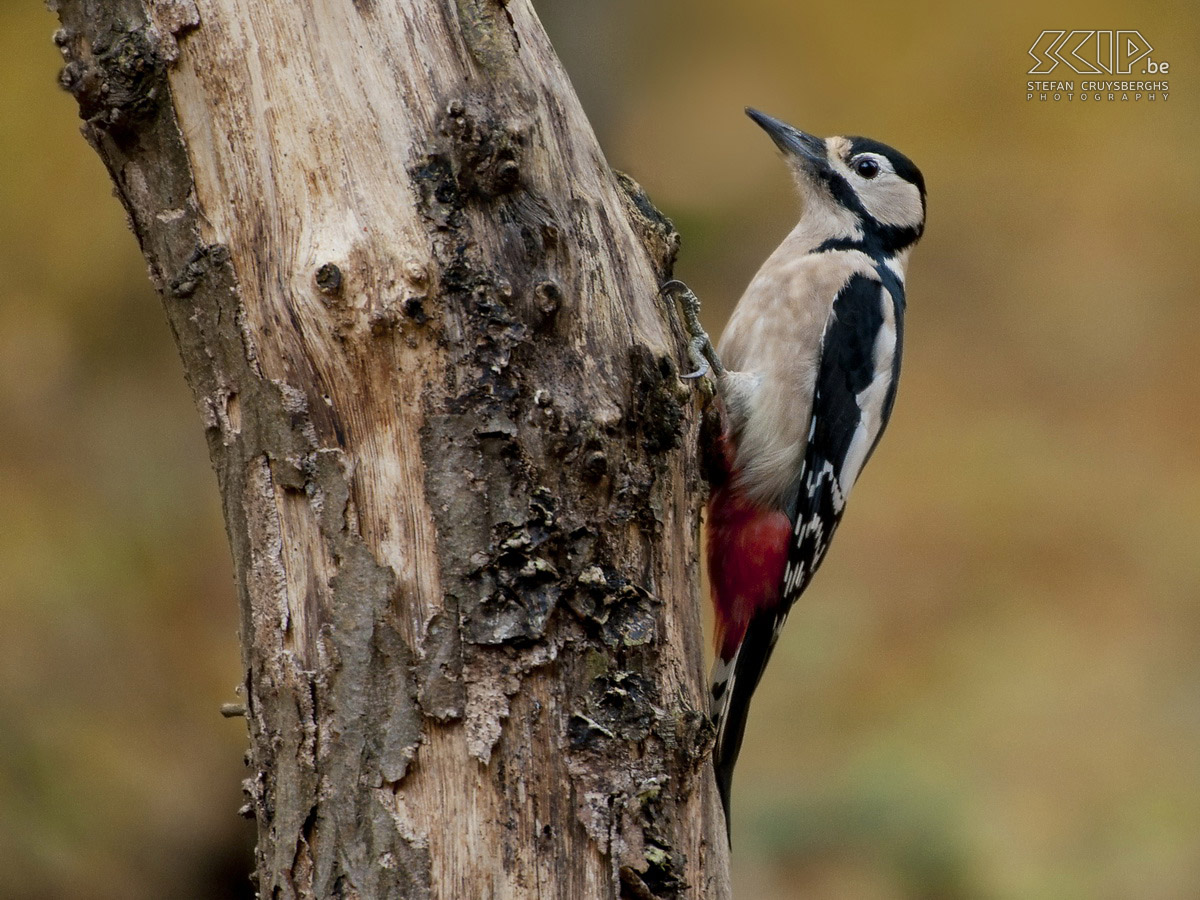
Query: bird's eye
point(866, 167)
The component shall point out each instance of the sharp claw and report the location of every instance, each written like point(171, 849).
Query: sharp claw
point(700, 349)
point(699, 358)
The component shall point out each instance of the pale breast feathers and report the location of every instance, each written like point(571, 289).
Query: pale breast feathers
point(772, 348)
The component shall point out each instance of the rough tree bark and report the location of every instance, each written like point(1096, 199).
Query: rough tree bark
point(418, 314)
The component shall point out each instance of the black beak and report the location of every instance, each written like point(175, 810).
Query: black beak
point(792, 141)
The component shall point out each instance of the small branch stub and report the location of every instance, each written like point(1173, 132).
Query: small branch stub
point(329, 280)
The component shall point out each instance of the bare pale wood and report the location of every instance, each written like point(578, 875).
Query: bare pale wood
point(418, 314)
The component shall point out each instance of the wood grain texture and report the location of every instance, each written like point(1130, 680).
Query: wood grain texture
point(418, 314)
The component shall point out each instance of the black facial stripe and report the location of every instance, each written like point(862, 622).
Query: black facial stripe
point(877, 241)
point(889, 238)
point(846, 196)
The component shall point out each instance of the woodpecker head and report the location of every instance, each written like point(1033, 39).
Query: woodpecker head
point(860, 187)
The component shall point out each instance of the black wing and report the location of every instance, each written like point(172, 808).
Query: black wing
point(848, 366)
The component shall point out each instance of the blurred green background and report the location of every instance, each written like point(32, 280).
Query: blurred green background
point(992, 689)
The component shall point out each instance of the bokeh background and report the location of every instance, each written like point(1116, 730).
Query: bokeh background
point(992, 689)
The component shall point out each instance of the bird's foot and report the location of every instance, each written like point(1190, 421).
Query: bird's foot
point(700, 348)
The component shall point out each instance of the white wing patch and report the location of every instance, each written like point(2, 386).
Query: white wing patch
point(814, 528)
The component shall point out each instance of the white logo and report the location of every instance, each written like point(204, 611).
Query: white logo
point(1093, 53)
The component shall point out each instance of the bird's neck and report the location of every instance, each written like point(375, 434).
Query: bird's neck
point(825, 226)
point(824, 223)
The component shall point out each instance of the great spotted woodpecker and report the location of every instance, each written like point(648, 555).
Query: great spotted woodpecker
point(806, 376)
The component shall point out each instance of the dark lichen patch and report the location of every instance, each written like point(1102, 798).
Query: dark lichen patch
point(555, 435)
point(655, 410)
point(203, 260)
point(518, 583)
point(662, 865)
point(618, 706)
point(120, 82)
point(496, 334)
point(485, 153)
point(625, 613)
point(438, 193)
point(476, 167)
point(506, 613)
point(504, 546)
point(478, 301)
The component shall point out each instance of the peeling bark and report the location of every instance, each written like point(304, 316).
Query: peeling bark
point(418, 314)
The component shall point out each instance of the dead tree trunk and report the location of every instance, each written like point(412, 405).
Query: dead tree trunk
point(418, 314)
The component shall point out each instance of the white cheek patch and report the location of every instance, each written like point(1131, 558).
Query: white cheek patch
point(890, 200)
